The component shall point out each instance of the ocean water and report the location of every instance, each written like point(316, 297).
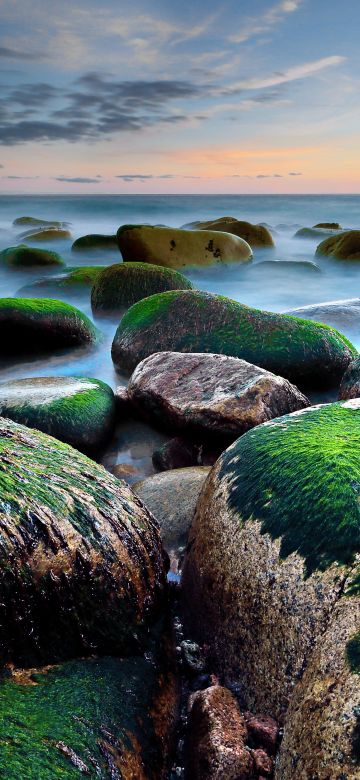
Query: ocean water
point(134, 442)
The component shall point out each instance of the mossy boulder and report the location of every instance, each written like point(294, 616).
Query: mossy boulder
point(30, 324)
point(35, 222)
point(192, 321)
point(105, 719)
point(343, 315)
point(341, 247)
point(177, 248)
point(273, 548)
point(329, 225)
point(78, 281)
point(80, 412)
point(49, 234)
point(123, 284)
point(23, 256)
point(255, 235)
point(94, 241)
point(316, 233)
point(350, 383)
point(81, 562)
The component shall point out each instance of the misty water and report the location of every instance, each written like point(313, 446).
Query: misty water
point(134, 442)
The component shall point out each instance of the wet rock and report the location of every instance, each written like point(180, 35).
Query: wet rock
point(177, 248)
point(23, 256)
point(122, 401)
point(48, 234)
point(76, 282)
point(80, 412)
point(34, 222)
point(178, 453)
point(263, 732)
point(341, 247)
point(330, 225)
point(318, 233)
point(30, 324)
point(209, 394)
point(192, 656)
point(172, 497)
point(81, 560)
point(97, 718)
point(126, 471)
point(275, 536)
point(263, 764)
point(255, 235)
point(350, 383)
point(121, 285)
point(217, 738)
point(344, 315)
point(277, 270)
point(94, 241)
point(193, 321)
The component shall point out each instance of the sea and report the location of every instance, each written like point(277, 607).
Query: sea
point(133, 441)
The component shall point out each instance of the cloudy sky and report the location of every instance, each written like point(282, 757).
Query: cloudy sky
point(126, 96)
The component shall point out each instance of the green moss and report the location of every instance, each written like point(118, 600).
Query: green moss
point(353, 653)
point(299, 475)
point(99, 711)
point(125, 283)
point(192, 321)
point(31, 323)
point(94, 241)
point(22, 256)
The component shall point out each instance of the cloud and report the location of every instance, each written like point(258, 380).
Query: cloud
point(291, 74)
point(267, 21)
point(294, 174)
point(19, 177)
point(15, 54)
point(78, 179)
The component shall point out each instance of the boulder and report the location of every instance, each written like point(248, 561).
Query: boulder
point(94, 241)
point(350, 383)
point(278, 270)
point(329, 225)
point(96, 718)
point(34, 222)
point(80, 412)
point(48, 234)
point(192, 321)
point(123, 284)
point(177, 248)
point(77, 281)
point(255, 235)
point(275, 536)
point(217, 738)
point(178, 453)
point(30, 324)
point(343, 315)
point(208, 394)
point(341, 247)
point(316, 233)
point(172, 497)
point(23, 256)
point(81, 561)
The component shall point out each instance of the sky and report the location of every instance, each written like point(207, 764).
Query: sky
point(132, 96)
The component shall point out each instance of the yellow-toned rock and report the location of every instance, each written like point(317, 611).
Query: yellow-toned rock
point(255, 235)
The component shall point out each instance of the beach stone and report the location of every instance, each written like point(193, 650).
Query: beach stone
point(263, 732)
point(330, 225)
point(23, 256)
point(80, 412)
point(30, 324)
point(209, 394)
point(35, 222)
point(97, 718)
point(177, 248)
point(171, 497)
point(278, 270)
point(77, 281)
point(122, 401)
point(123, 284)
point(193, 321)
point(255, 235)
point(49, 234)
point(343, 315)
point(321, 735)
point(275, 536)
point(316, 232)
point(94, 241)
point(341, 247)
point(350, 383)
point(217, 738)
point(178, 453)
point(81, 562)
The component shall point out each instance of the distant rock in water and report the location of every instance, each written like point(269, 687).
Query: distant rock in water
point(80, 412)
point(177, 248)
point(75, 283)
point(98, 718)
point(48, 234)
point(208, 394)
point(23, 256)
point(34, 222)
point(81, 562)
point(316, 232)
point(255, 235)
point(94, 241)
point(30, 324)
point(342, 247)
point(123, 284)
point(194, 321)
point(329, 225)
point(281, 269)
point(343, 315)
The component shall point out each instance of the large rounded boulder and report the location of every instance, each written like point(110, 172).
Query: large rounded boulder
point(345, 246)
point(211, 395)
point(80, 412)
point(177, 248)
point(94, 242)
point(350, 383)
point(193, 321)
point(23, 256)
point(255, 235)
point(273, 548)
point(30, 324)
point(124, 284)
point(81, 562)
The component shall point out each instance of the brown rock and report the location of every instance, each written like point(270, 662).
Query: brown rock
point(350, 383)
point(255, 235)
point(217, 738)
point(263, 731)
point(263, 763)
point(209, 393)
point(122, 401)
point(178, 453)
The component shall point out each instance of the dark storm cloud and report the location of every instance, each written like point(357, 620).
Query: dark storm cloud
point(96, 107)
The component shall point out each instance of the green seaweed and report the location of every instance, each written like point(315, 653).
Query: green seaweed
point(22, 256)
point(299, 475)
point(35, 322)
point(123, 284)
